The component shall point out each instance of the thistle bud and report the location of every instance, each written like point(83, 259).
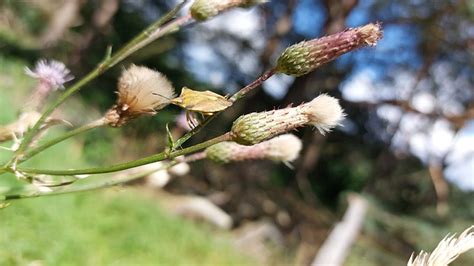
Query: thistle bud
point(284, 148)
point(51, 76)
point(304, 57)
point(323, 112)
point(141, 91)
point(202, 10)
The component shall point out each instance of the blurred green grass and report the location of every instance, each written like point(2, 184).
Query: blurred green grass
point(106, 227)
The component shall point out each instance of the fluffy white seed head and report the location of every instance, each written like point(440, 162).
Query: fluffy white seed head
point(141, 91)
point(324, 112)
point(284, 148)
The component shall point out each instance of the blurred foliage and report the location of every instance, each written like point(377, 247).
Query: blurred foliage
point(119, 228)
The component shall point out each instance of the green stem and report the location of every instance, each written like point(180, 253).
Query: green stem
point(149, 36)
point(32, 133)
point(195, 130)
point(113, 180)
point(145, 37)
point(95, 124)
point(237, 96)
point(118, 167)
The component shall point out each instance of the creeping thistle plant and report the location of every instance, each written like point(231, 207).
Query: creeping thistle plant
point(144, 91)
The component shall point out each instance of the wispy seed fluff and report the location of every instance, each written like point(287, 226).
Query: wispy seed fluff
point(141, 91)
point(447, 250)
point(304, 57)
point(205, 9)
point(323, 112)
point(284, 148)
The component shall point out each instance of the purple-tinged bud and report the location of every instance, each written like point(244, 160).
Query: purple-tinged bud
point(304, 57)
point(323, 112)
point(283, 148)
point(51, 74)
point(202, 10)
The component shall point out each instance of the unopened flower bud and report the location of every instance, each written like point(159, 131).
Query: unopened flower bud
point(205, 9)
point(284, 148)
point(141, 91)
point(323, 112)
point(304, 57)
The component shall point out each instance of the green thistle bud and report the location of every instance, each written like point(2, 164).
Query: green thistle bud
point(223, 152)
point(256, 127)
point(284, 148)
point(304, 57)
point(323, 112)
point(202, 10)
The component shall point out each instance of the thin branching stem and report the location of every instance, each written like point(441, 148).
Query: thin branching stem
point(104, 182)
point(150, 34)
point(241, 93)
point(237, 96)
point(30, 153)
point(194, 157)
point(118, 167)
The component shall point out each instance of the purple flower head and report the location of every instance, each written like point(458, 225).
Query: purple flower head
point(51, 73)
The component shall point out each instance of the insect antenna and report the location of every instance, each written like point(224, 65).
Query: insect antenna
point(157, 94)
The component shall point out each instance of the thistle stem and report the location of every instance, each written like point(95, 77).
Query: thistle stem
point(237, 96)
point(194, 157)
point(118, 167)
point(150, 34)
point(193, 132)
point(95, 124)
point(109, 181)
point(241, 93)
